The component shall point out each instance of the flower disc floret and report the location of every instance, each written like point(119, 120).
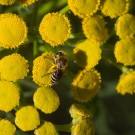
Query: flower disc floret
point(26, 2)
point(46, 99)
point(126, 84)
point(43, 69)
point(86, 85)
point(125, 26)
point(87, 54)
point(55, 28)
point(84, 8)
point(13, 30)
point(27, 118)
point(7, 2)
point(6, 127)
point(13, 67)
point(95, 29)
point(114, 8)
point(84, 127)
point(9, 96)
point(125, 51)
point(46, 129)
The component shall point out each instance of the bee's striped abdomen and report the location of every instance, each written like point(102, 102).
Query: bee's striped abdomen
point(56, 75)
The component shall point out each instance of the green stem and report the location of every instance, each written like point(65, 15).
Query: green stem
point(64, 10)
point(65, 128)
point(35, 48)
point(120, 67)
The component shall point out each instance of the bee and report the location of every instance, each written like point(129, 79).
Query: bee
point(62, 62)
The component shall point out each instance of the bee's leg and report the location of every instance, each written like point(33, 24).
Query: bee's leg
point(51, 70)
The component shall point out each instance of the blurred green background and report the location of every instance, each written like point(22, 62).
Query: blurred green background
point(113, 114)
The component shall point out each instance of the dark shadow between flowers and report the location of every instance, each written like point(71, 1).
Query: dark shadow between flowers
point(81, 58)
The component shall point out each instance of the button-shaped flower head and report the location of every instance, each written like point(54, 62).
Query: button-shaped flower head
point(84, 127)
point(9, 96)
point(27, 118)
point(78, 111)
point(87, 54)
point(114, 8)
point(86, 85)
point(55, 28)
point(46, 129)
point(13, 30)
point(43, 68)
point(46, 99)
point(6, 127)
point(13, 67)
point(125, 51)
point(26, 2)
point(84, 8)
point(125, 26)
point(95, 29)
point(7, 2)
point(126, 84)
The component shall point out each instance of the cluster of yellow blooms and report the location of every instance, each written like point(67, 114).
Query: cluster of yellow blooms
point(22, 2)
point(55, 29)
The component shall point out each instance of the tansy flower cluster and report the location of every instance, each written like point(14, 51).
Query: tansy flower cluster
point(33, 34)
point(22, 2)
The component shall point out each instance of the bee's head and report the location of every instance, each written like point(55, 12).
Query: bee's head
point(60, 53)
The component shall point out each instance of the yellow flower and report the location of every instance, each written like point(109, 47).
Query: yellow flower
point(78, 111)
point(94, 29)
point(6, 127)
point(42, 69)
point(114, 8)
point(84, 127)
point(27, 2)
point(86, 85)
point(13, 30)
point(55, 28)
point(125, 51)
point(27, 118)
point(84, 8)
point(87, 54)
point(46, 99)
point(125, 26)
point(46, 129)
point(7, 2)
point(13, 67)
point(126, 84)
point(9, 96)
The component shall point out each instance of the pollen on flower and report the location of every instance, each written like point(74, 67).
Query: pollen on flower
point(86, 85)
point(95, 29)
point(7, 2)
point(13, 30)
point(6, 127)
point(84, 8)
point(26, 3)
point(27, 118)
point(79, 111)
point(46, 99)
point(87, 54)
point(125, 51)
point(13, 67)
point(43, 68)
point(125, 26)
point(126, 84)
point(9, 96)
point(115, 8)
point(46, 129)
point(55, 28)
point(84, 127)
